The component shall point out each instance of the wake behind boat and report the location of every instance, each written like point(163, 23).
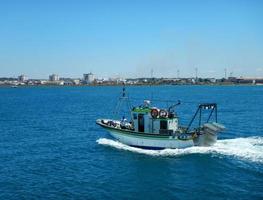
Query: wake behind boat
point(158, 128)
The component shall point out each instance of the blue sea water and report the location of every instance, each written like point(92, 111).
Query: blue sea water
point(51, 148)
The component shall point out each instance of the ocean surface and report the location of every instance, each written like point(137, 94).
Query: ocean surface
point(51, 148)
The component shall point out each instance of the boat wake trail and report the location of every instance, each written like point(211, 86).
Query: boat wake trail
point(250, 148)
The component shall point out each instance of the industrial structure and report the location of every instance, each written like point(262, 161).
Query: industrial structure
point(53, 77)
point(22, 78)
point(89, 78)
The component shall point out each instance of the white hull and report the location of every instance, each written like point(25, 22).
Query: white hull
point(151, 143)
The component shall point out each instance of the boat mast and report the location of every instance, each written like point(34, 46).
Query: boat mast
point(123, 99)
point(151, 83)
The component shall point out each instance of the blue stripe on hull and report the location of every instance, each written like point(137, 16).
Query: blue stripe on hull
point(148, 148)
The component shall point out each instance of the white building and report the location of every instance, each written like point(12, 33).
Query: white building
point(76, 81)
point(22, 78)
point(54, 77)
point(89, 78)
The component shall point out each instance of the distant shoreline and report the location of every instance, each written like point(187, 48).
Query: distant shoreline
point(120, 85)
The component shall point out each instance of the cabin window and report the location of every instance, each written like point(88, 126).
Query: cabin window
point(163, 125)
point(134, 116)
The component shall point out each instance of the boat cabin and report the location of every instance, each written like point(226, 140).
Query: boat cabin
point(153, 120)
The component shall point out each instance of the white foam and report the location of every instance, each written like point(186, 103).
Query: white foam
point(250, 148)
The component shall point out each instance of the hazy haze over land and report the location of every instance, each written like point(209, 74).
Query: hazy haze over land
point(129, 38)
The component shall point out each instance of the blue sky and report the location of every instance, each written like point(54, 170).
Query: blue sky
point(129, 38)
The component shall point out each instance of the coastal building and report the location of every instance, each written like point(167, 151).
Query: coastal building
point(211, 80)
point(89, 78)
point(22, 78)
point(76, 81)
point(42, 82)
point(53, 77)
point(251, 80)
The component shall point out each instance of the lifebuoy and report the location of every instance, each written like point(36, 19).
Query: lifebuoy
point(163, 113)
point(154, 113)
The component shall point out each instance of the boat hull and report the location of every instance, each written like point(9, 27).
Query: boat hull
point(151, 142)
point(147, 140)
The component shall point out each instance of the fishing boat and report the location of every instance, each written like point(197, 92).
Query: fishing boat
point(151, 127)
